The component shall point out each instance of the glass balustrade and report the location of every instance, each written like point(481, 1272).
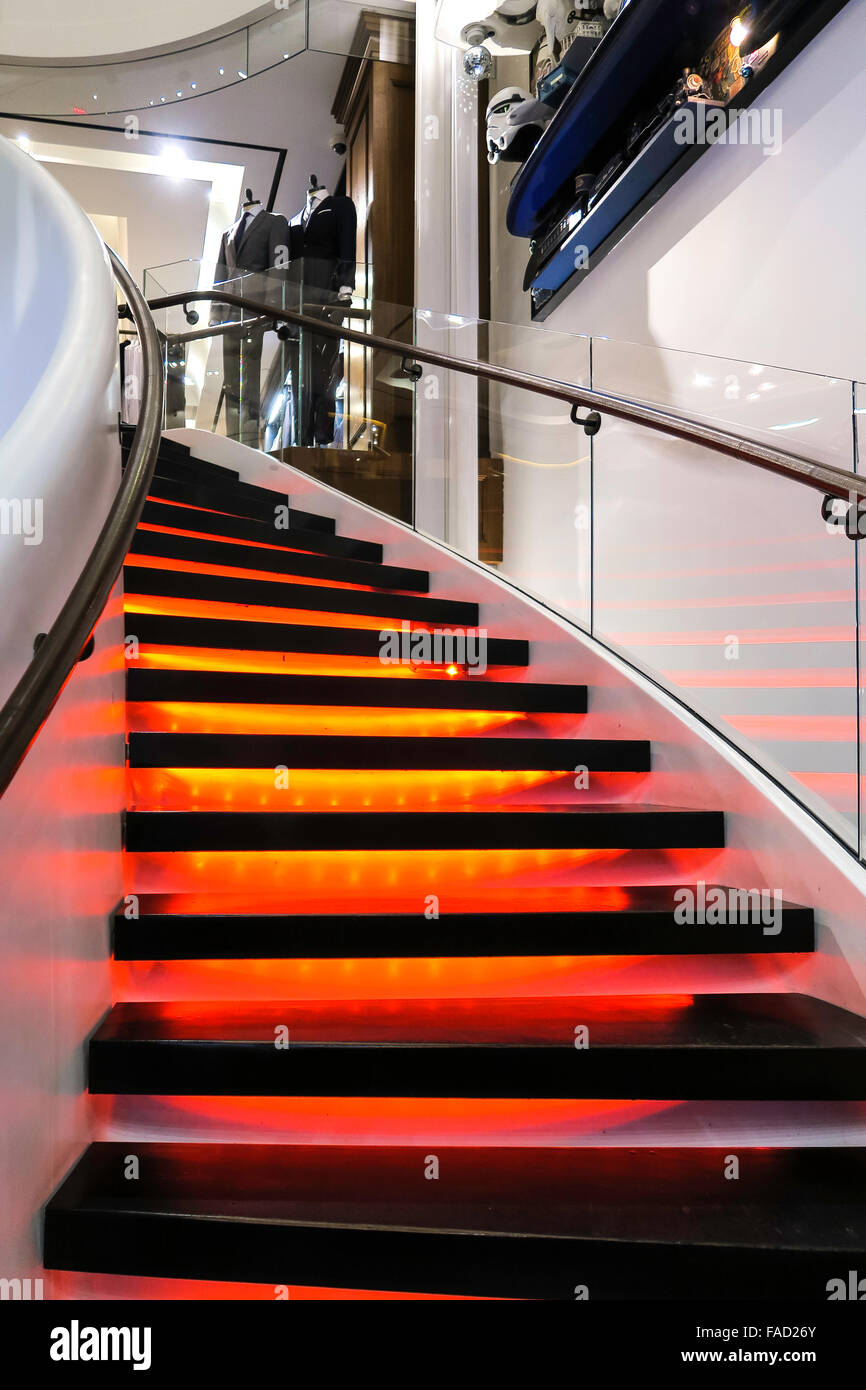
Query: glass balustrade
point(138, 84)
point(339, 410)
point(728, 585)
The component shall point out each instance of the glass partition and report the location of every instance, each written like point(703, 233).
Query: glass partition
point(194, 69)
point(339, 410)
point(730, 586)
point(725, 583)
point(721, 579)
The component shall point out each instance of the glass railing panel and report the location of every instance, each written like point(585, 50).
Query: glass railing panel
point(335, 26)
point(724, 581)
point(356, 408)
point(131, 376)
point(795, 411)
point(279, 37)
point(341, 411)
point(195, 69)
point(526, 510)
point(133, 85)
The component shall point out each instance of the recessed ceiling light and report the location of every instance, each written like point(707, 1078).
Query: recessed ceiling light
point(193, 85)
point(95, 97)
point(221, 71)
point(242, 75)
point(179, 92)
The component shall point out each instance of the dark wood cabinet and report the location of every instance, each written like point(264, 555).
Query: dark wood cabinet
point(375, 104)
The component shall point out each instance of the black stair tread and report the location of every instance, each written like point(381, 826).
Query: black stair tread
point(238, 499)
point(530, 1223)
point(183, 468)
point(188, 474)
point(241, 687)
point(587, 902)
point(741, 1022)
point(545, 825)
point(169, 449)
point(603, 921)
point(210, 523)
point(146, 579)
point(372, 751)
point(257, 557)
point(789, 1198)
point(241, 634)
point(662, 1047)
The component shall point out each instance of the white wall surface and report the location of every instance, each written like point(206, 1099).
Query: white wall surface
point(59, 449)
point(60, 863)
point(61, 870)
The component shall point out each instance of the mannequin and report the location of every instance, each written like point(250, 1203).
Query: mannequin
point(254, 254)
point(327, 226)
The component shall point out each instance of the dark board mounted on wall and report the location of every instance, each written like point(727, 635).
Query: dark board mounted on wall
point(647, 51)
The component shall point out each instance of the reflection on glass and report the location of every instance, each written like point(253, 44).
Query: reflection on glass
point(193, 70)
point(340, 410)
point(721, 580)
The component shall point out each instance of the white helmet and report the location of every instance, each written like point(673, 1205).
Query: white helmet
point(515, 121)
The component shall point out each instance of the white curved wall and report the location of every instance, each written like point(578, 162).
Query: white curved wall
point(59, 448)
point(52, 29)
point(60, 850)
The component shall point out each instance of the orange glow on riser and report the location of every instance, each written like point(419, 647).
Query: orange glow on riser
point(203, 718)
point(169, 658)
point(260, 613)
point(181, 789)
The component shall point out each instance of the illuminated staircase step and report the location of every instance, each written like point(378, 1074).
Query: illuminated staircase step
point(535, 1223)
point(245, 528)
point(243, 687)
point(544, 826)
point(141, 579)
point(173, 452)
point(438, 754)
point(638, 1047)
point(643, 923)
point(165, 630)
point(258, 557)
point(239, 499)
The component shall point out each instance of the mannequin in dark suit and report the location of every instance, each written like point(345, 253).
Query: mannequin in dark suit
point(327, 227)
point(254, 254)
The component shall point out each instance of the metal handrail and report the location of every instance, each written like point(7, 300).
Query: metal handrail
point(37, 692)
point(824, 477)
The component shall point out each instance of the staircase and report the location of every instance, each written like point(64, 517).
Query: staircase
point(412, 838)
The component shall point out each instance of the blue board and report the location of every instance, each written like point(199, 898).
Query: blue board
point(647, 36)
point(634, 182)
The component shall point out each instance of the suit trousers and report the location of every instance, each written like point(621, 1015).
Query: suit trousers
point(319, 386)
point(242, 370)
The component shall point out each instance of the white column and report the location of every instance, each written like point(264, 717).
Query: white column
point(446, 282)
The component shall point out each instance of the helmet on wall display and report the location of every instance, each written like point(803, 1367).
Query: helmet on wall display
point(511, 24)
point(515, 121)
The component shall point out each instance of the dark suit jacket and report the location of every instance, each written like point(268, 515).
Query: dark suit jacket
point(269, 241)
point(328, 243)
